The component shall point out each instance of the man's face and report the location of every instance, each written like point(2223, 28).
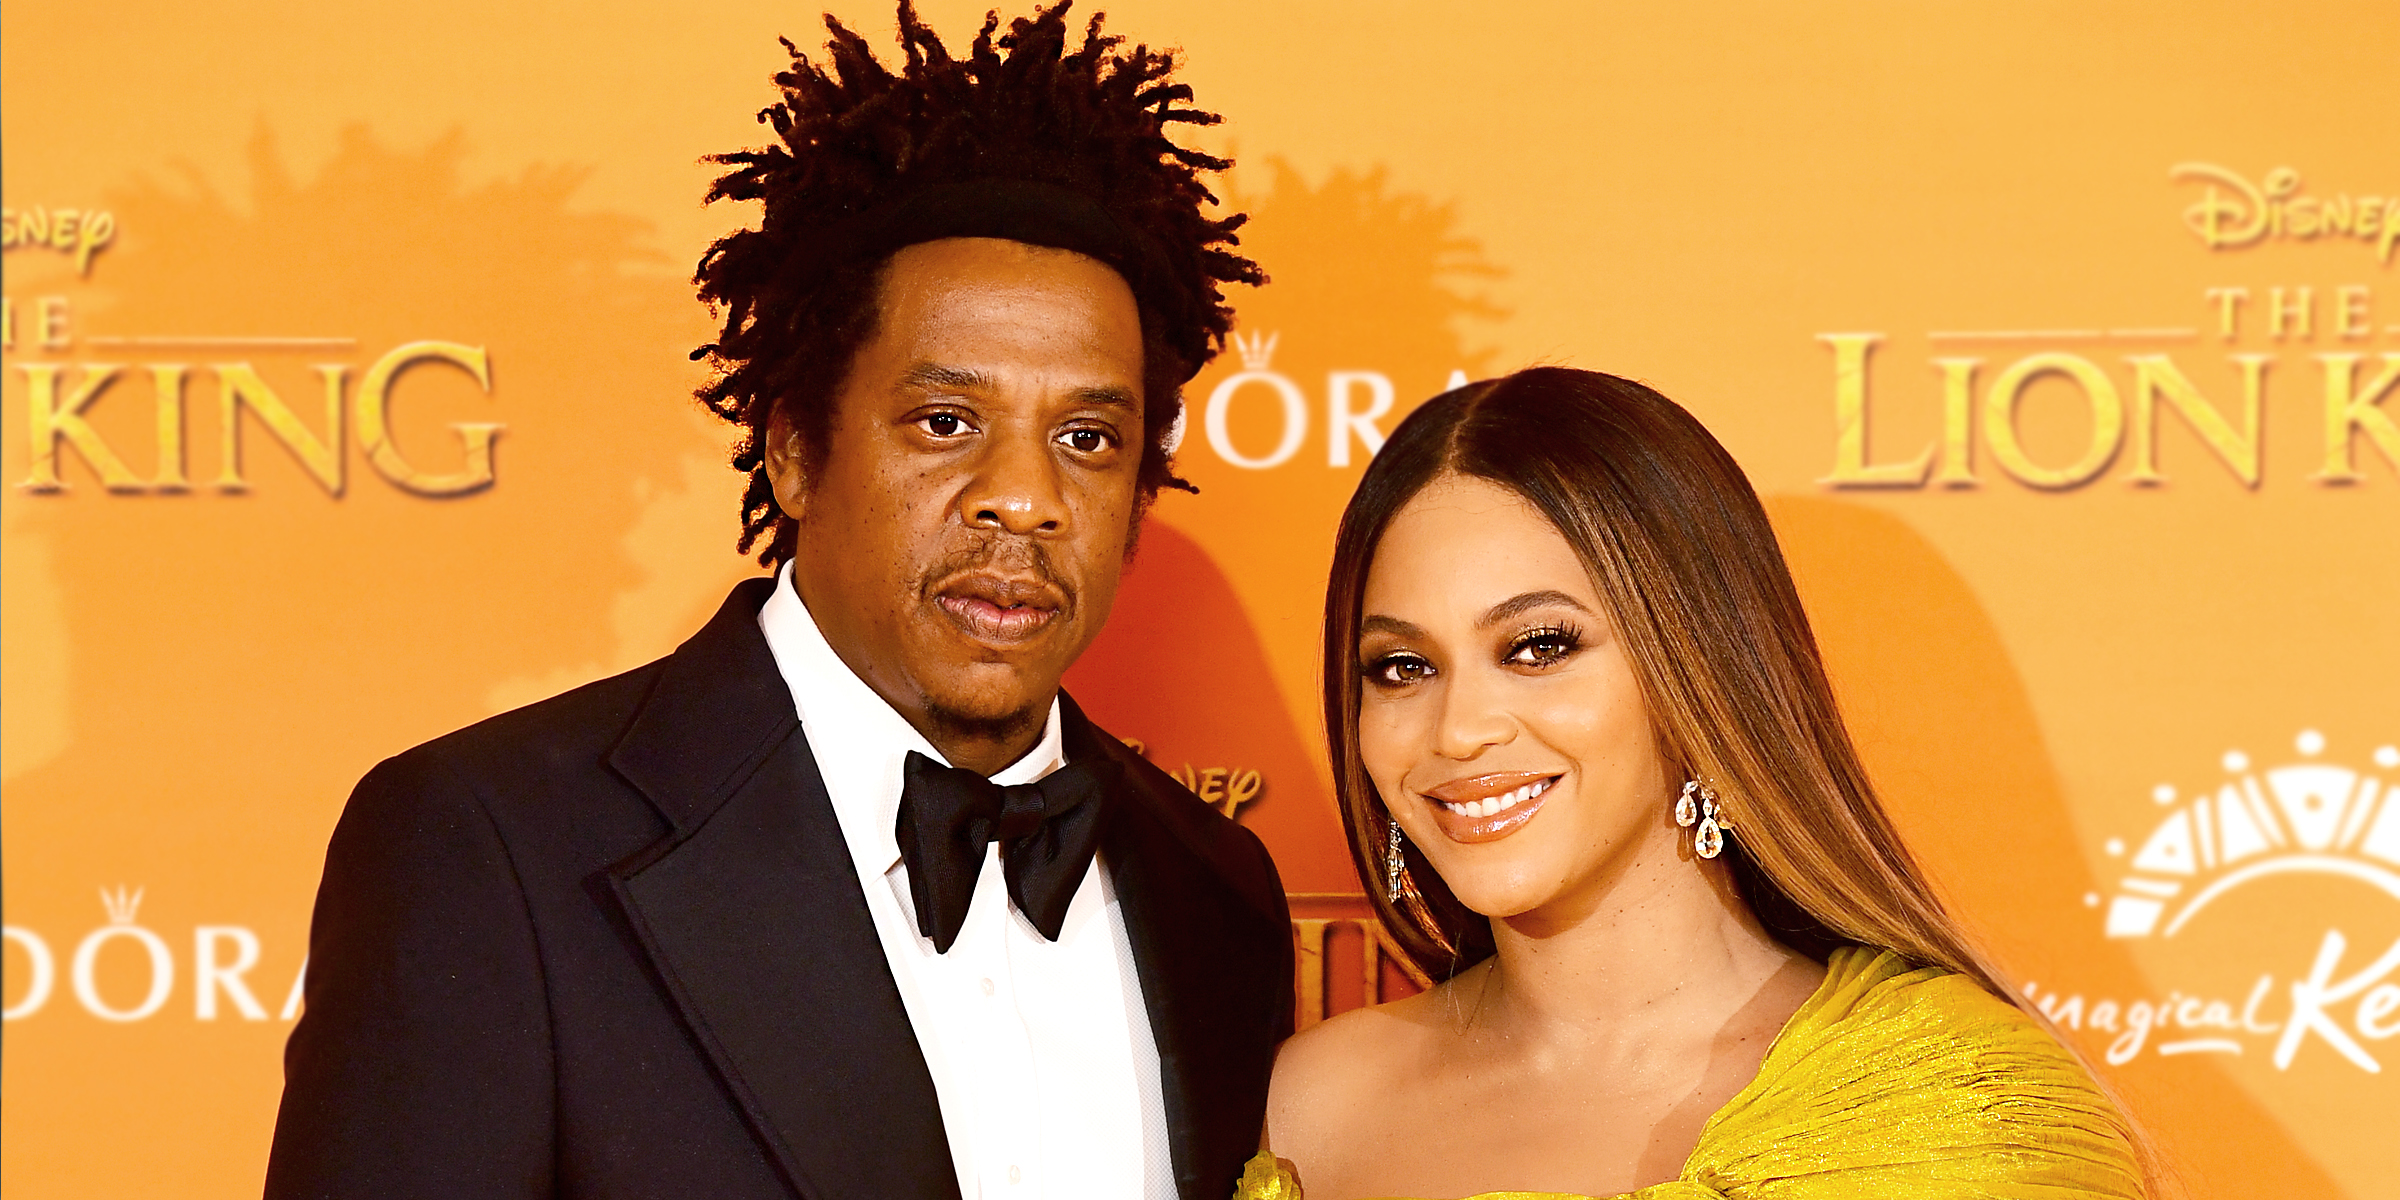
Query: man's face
point(962, 541)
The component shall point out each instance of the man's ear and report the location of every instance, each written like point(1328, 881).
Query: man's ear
point(785, 469)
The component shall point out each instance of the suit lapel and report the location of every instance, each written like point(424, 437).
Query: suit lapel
point(751, 914)
point(1214, 964)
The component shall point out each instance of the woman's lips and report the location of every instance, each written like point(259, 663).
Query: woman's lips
point(1488, 807)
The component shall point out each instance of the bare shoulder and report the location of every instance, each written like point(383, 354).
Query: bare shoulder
point(1353, 1063)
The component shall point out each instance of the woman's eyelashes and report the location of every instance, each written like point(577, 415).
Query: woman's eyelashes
point(1395, 669)
point(1536, 649)
point(1543, 646)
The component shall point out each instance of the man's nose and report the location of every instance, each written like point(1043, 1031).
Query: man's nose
point(1017, 488)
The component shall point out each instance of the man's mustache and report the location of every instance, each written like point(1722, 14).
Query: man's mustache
point(1021, 566)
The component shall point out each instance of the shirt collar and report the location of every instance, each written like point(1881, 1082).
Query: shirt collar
point(860, 742)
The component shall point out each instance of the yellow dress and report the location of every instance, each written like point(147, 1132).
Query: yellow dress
point(1892, 1081)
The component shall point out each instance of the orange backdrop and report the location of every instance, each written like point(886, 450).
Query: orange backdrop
point(346, 403)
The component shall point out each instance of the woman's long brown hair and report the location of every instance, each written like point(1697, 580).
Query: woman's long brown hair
point(1681, 551)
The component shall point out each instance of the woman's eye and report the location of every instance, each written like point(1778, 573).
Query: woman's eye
point(1542, 647)
point(1397, 670)
point(1087, 441)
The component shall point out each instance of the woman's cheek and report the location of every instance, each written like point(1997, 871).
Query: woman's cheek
point(1382, 742)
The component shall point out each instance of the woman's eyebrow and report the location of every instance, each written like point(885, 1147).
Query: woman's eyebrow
point(1526, 602)
point(1391, 625)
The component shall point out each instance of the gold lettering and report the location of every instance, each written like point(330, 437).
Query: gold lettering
point(99, 229)
point(1315, 966)
point(1958, 423)
point(374, 420)
point(1241, 789)
point(2333, 216)
point(2000, 420)
point(2229, 309)
point(2307, 217)
point(1309, 934)
point(1370, 961)
point(2219, 220)
point(2349, 410)
point(2155, 375)
point(2273, 208)
point(80, 232)
point(1225, 789)
point(239, 385)
point(167, 380)
point(49, 420)
point(50, 317)
point(2350, 318)
point(1850, 467)
point(2298, 311)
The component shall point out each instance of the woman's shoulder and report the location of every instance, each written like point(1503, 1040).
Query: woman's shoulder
point(1349, 1048)
point(1907, 1073)
point(1329, 1074)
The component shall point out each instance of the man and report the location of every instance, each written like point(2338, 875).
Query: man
point(844, 898)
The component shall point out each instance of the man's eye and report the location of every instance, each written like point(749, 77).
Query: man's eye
point(1087, 441)
point(944, 426)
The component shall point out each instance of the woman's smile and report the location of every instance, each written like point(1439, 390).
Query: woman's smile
point(1486, 808)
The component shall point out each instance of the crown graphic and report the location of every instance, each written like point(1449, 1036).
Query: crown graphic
point(121, 905)
point(1257, 350)
point(2307, 817)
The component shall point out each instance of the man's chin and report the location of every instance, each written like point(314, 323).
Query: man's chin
point(976, 722)
point(983, 687)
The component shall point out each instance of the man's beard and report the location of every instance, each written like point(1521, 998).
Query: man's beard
point(958, 717)
point(959, 726)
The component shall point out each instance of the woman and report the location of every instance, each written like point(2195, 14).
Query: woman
point(1596, 780)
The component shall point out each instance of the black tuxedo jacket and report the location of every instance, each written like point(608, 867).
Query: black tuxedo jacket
point(613, 945)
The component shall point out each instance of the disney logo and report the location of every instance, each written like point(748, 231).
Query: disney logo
point(78, 233)
point(2234, 212)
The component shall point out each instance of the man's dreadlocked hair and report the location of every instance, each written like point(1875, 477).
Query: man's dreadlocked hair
point(856, 137)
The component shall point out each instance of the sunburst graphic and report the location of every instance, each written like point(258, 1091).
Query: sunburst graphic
point(2305, 817)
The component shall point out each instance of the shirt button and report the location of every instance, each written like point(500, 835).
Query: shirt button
point(1015, 1175)
point(988, 989)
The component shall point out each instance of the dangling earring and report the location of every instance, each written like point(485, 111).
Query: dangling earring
point(1395, 868)
point(1708, 841)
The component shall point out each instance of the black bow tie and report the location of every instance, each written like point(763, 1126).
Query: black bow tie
point(1047, 832)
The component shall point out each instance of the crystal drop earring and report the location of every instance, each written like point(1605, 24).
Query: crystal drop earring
point(1395, 867)
point(1708, 841)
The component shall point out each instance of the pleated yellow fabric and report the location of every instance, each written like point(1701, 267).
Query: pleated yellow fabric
point(1892, 1081)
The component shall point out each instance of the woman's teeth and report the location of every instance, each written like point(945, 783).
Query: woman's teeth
point(1494, 805)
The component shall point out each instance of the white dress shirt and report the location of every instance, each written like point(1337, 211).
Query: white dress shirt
point(1041, 1051)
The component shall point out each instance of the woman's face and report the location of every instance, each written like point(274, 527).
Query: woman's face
point(1499, 718)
